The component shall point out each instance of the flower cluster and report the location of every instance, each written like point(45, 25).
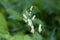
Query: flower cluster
point(29, 20)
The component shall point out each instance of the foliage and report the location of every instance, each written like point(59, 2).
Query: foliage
point(13, 27)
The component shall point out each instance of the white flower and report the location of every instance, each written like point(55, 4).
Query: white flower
point(30, 13)
point(24, 16)
point(39, 28)
point(30, 22)
point(25, 20)
point(32, 30)
point(31, 25)
point(33, 17)
point(31, 8)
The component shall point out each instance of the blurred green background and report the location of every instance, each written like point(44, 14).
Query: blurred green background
point(12, 26)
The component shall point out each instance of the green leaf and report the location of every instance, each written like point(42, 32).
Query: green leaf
point(27, 37)
point(38, 21)
point(3, 26)
point(14, 15)
point(16, 37)
point(37, 36)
